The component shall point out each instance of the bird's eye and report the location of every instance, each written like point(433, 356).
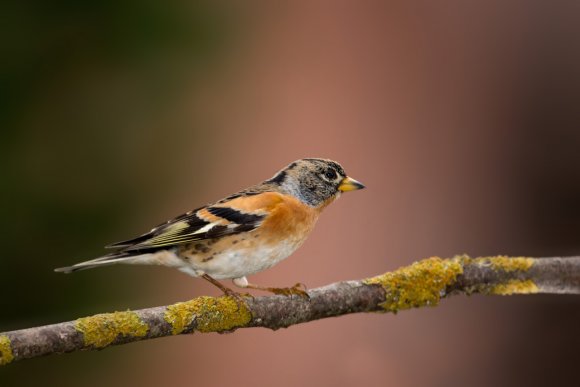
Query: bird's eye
point(330, 174)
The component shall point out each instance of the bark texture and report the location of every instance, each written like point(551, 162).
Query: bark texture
point(423, 283)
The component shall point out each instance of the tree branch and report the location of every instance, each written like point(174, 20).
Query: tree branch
point(422, 284)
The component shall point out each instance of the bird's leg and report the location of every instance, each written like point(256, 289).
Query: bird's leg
point(227, 291)
point(298, 289)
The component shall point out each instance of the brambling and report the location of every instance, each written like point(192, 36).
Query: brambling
point(242, 234)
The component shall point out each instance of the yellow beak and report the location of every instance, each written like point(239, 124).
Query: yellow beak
point(349, 184)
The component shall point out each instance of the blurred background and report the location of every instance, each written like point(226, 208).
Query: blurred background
point(461, 118)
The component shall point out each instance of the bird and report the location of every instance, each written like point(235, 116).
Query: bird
point(242, 234)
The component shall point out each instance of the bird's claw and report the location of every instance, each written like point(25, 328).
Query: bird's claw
point(238, 297)
point(299, 289)
point(247, 295)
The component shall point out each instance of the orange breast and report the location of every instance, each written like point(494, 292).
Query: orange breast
point(290, 219)
point(284, 229)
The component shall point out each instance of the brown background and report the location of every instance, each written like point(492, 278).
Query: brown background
point(460, 117)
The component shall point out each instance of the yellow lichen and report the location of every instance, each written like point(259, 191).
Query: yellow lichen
point(421, 284)
point(514, 287)
point(210, 314)
point(6, 355)
point(102, 329)
point(507, 264)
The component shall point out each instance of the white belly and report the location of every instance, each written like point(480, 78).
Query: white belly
point(228, 264)
point(240, 262)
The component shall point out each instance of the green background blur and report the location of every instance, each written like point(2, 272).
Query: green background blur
point(461, 118)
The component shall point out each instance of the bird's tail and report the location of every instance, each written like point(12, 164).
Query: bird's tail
point(109, 259)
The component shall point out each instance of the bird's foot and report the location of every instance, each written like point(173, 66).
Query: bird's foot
point(238, 298)
point(227, 291)
point(299, 290)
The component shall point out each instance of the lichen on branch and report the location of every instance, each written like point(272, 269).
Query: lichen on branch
point(101, 330)
point(421, 284)
point(210, 315)
point(6, 355)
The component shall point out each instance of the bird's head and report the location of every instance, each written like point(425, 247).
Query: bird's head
point(316, 182)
